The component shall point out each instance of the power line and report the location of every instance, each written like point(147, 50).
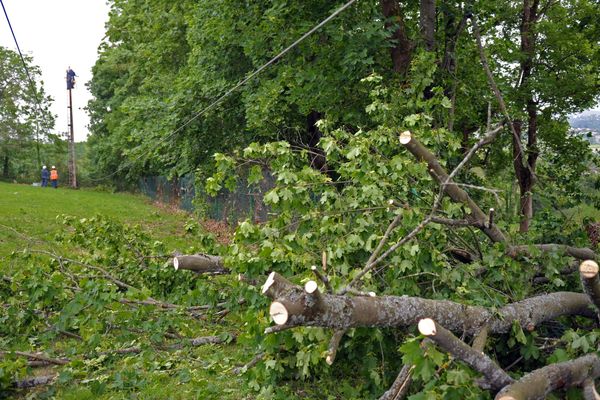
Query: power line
point(238, 85)
point(31, 84)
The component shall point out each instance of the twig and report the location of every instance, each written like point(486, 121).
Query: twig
point(334, 344)
point(37, 356)
point(322, 278)
point(243, 368)
point(401, 385)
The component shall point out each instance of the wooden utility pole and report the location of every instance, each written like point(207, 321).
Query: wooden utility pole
point(72, 164)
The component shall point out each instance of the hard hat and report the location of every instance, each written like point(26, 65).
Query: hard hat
point(44, 167)
point(53, 167)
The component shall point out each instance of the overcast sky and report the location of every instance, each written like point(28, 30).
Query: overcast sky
point(58, 34)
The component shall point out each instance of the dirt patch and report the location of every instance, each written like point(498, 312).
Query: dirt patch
point(223, 232)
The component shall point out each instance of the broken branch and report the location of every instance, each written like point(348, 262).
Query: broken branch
point(495, 376)
point(291, 307)
point(539, 383)
point(201, 264)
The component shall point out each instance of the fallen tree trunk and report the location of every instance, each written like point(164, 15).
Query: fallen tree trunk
point(539, 383)
point(294, 306)
point(201, 263)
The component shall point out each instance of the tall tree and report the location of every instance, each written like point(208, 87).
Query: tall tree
point(23, 122)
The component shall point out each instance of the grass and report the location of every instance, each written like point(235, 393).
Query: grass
point(33, 211)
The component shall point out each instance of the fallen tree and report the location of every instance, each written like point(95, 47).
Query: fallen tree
point(296, 306)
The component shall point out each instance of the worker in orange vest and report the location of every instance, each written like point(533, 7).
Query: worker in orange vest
point(54, 177)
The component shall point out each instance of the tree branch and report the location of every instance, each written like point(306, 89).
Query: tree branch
point(400, 386)
point(201, 264)
point(479, 361)
point(589, 390)
point(539, 383)
point(334, 344)
point(293, 307)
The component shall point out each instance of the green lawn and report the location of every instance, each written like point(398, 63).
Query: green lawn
point(33, 211)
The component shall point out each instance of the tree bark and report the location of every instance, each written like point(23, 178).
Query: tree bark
point(33, 381)
point(201, 263)
point(588, 270)
point(401, 48)
point(539, 383)
point(292, 306)
point(427, 23)
point(494, 375)
point(400, 387)
point(525, 173)
point(589, 390)
point(477, 216)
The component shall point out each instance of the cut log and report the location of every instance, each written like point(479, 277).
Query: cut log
point(201, 263)
point(539, 383)
point(293, 307)
point(590, 281)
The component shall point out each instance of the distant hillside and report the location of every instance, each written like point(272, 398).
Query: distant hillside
point(587, 120)
point(587, 125)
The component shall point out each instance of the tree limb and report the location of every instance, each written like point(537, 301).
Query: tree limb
point(292, 307)
point(539, 383)
point(495, 376)
point(200, 263)
point(33, 381)
point(400, 386)
point(589, 390)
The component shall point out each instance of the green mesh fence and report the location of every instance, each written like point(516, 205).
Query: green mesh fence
point(229, 206)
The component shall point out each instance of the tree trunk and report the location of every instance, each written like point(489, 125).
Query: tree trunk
point(5, 168)
point(315, 154)
point(401, 50)
point(427, 23)
point(523, 172)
